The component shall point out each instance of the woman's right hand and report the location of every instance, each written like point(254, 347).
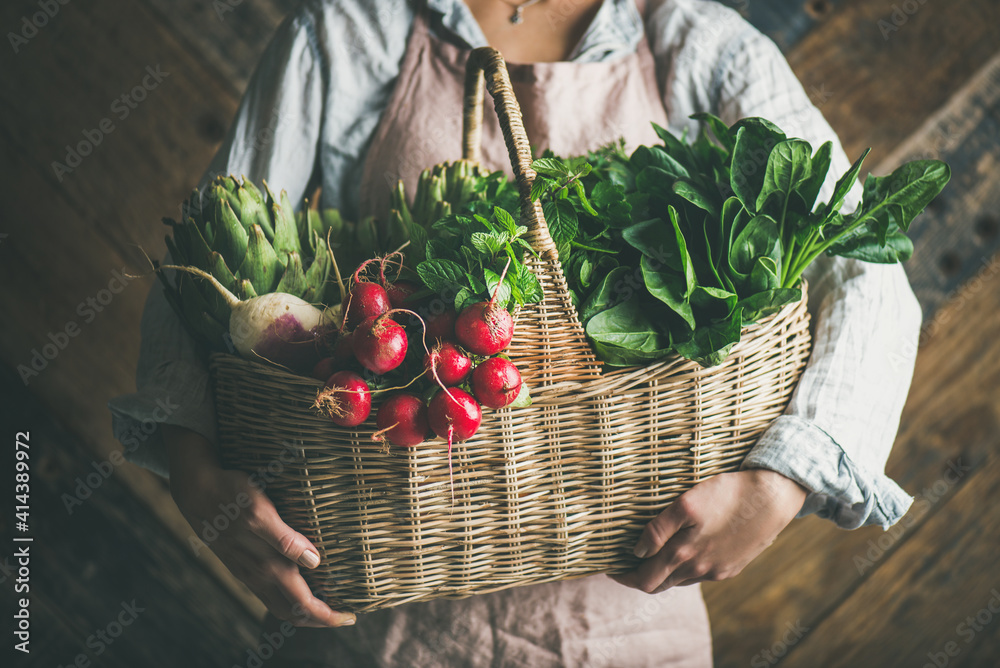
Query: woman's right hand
point(256, 546)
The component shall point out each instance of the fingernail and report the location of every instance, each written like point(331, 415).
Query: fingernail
point(641, 550)
point(309, 559)
point(349, 622)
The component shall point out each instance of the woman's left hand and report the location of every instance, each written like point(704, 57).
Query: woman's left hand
point(712, 531)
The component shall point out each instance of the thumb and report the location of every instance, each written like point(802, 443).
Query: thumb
point(284, 539)
point(659, 530)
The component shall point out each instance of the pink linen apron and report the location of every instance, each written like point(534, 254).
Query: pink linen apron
point(570, 108)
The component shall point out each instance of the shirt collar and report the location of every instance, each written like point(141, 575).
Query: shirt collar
point(615, 30)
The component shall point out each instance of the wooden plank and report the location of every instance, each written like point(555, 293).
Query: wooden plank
point(228, 37)
point(945, 573)
point(955, 239)
point(66, 239)
point(128, 166)
point(952, 419)
point(786, 25)
point(879, 89)
point(90, 560)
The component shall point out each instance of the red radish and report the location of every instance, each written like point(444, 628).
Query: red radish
point(448, 364)
point(346, 399)
point(276, 327)
point(324, 368)
point(399, 292)
point(366, 300)
point(484, 328)
point(496, 382)
point(454, 414)
point(380, 344)
point(402, 420)
point(343, 349)
point(441, 326)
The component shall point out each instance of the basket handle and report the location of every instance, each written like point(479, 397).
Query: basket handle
point(486, 63)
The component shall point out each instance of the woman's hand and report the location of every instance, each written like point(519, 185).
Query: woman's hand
point(712, 531)
point(256, 546)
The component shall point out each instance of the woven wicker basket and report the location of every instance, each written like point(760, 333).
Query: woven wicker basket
point(557, 490)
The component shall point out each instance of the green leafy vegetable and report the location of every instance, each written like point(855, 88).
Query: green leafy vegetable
point(677, 247)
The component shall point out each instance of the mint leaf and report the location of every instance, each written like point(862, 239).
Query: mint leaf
point(441, 274)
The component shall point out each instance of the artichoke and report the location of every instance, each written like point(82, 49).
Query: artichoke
point(253, 243)
point(444, 189)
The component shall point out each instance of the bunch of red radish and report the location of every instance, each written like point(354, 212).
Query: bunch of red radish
point(464, 353)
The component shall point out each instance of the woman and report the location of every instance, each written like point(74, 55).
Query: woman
point(365, 93)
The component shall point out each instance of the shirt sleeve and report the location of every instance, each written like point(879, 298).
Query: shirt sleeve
point(837, 432)
point(274, 137)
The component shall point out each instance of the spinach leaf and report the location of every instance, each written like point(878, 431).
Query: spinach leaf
point(789, 167)
point(755, 137)
point(868, 248)
point(613, 289)
point(710, 344)
point(670, 287)
point(899, 197)
point(759, 238)
point(630, 324)
point(762, 304)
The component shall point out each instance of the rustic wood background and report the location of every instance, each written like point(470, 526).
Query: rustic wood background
point(910, 78)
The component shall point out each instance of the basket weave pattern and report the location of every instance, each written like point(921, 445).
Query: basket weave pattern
point(555, 490)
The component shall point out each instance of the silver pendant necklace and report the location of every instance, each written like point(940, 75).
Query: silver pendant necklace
point(517, 17)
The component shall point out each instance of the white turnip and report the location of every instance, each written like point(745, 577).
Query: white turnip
point(276, 327)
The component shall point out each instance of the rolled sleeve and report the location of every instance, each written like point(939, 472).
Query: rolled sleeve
point(850, 496)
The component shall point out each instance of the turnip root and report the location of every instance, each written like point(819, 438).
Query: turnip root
point(276, 327)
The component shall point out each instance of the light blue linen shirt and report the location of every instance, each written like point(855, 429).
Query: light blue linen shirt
point(317, 96)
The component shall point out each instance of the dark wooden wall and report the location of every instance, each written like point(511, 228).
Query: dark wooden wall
point(924, 83)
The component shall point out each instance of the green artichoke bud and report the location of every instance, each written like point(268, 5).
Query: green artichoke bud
point(253, 243)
